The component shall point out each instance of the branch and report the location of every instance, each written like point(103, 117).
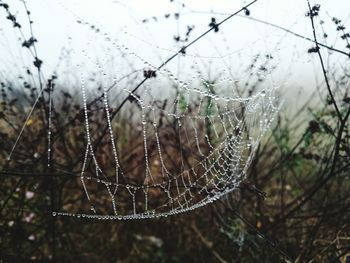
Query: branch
point(278, 27)
point(207, 243)
point(311, 15)
point(113, 115)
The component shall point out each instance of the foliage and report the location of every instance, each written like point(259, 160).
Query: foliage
point(302, 170)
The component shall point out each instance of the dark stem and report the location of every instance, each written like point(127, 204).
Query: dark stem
point(113, 115)
point(311, 15)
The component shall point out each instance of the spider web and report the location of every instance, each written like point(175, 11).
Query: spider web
point(190, 147)
point(160, 140)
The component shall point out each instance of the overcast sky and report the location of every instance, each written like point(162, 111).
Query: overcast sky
point(238, 41)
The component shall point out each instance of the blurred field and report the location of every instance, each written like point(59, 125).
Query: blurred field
point(294, 205)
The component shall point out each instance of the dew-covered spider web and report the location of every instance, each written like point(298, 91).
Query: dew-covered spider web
point(158, 136)
point(186, 154)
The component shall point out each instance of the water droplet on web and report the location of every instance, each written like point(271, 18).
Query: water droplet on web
point(92, 208)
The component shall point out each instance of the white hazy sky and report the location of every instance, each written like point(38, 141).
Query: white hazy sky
point(238, 40)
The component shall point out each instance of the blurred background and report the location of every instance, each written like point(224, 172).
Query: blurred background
point(60, 59)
